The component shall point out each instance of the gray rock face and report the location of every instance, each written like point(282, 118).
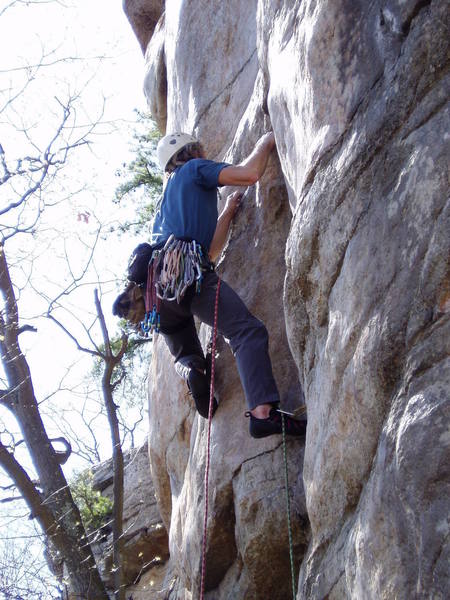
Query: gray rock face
point(353, 220)
point(146, 543)
point(367, 254)
point(155, 84)
point(143, 16)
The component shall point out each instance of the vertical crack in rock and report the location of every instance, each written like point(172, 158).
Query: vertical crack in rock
point(359, 124)
point(406, 27)
point(228, 86)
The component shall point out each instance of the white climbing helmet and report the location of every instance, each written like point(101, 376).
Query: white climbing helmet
point(171, 144)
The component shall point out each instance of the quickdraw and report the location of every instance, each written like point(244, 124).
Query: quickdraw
point(183, 265)
point(151, 322)
point(171, 271)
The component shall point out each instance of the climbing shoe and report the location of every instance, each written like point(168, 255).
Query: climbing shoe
point(260, 428)
point(198, 384)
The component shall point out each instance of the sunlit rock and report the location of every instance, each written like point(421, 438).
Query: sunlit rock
point(352, 219)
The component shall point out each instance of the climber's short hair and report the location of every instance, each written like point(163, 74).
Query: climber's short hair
point(186, 154)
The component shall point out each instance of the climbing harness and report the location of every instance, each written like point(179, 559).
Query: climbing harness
point(208, 449)
point(171, 271)
point(288, 505)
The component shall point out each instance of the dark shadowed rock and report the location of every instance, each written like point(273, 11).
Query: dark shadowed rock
point(143, 16)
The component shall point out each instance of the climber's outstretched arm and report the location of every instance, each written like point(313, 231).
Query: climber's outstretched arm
point(251, 169)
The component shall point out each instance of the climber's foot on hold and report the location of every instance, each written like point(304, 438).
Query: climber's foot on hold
point(260, 428)
point(198, 384)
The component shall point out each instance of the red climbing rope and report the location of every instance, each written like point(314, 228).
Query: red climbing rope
point(211, 401)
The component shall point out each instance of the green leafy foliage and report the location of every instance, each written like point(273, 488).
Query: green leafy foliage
point(142, 180)
point(94, 508)
point(138, 350)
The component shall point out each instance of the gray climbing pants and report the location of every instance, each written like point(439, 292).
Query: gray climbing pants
point(246, 335)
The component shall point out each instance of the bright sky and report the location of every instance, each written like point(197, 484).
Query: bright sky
point(96, 30)
point(111, 76)
point(76, 28)
point(99, 32)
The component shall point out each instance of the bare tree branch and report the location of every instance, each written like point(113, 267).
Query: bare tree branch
point(51, 63)
point(55, 508)
point(41, 164)
point(28, 2)
point(10, 499)
point(7, 398)
point(62, 455)
point(73, 338)
point(6, 488)
point(27, 489)
point(24, 328)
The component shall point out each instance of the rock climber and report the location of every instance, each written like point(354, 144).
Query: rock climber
point(187, 221)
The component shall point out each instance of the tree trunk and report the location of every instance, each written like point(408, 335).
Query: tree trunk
point(117, 455)
point(66, 531)
point(118, 493)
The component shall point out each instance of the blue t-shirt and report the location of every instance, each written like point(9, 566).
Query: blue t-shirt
point(189, 205)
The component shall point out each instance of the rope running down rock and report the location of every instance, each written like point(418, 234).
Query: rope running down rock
point(208, 447)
